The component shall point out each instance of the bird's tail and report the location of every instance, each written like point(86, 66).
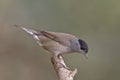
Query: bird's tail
point(31, 32)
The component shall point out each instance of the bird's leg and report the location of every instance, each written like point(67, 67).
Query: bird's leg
point(59, 61)
point(62, 61)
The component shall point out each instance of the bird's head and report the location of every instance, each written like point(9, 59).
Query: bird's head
point(83, 47)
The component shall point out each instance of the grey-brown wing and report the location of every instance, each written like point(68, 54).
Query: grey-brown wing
point(61, 38)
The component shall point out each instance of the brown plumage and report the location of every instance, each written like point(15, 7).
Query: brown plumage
point(57, 42)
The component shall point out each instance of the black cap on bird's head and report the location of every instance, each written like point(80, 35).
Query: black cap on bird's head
point(83, 47)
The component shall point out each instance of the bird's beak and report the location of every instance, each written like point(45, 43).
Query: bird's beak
point(86, 55)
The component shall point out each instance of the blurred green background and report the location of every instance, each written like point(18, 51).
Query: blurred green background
point(95, 21)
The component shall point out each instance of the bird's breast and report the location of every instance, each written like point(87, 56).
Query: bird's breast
point(55, 47)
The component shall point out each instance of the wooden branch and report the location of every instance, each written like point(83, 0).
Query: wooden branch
point(63, 72)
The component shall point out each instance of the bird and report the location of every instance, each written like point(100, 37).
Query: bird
point(58, 43)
